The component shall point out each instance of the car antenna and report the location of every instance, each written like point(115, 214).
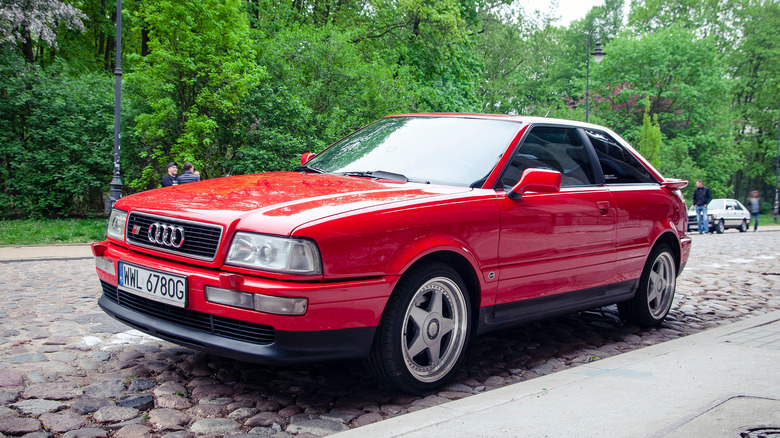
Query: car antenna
point(548, 113)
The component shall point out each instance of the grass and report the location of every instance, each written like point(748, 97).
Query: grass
point(51, 231)
point(766, 219)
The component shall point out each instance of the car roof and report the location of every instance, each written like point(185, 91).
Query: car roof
point(514, 118)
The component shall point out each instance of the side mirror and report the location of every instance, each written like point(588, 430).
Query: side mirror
point(536, 180)
point(306, 157)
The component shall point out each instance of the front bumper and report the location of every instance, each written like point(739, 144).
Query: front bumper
point(269, 346)
point(340, 321)
point(693, 222)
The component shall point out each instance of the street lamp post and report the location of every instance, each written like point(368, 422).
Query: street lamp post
point(598, 55)
point(777, 166)
point(115, 191)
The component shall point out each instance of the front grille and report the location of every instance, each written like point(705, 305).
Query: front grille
point(201, 241)
point(215, 325)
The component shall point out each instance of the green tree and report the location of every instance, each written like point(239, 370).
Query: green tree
point(714, 19)
point(342, 81)
point(55, 139)
point(335, 66)
point(650, 139)
point(683, 80)
point(518, 55)
point(32, 25)
point(246, 86)
point(755, 68)
point(199, 67)
point(535, 68)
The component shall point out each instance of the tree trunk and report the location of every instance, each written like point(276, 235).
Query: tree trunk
point(27, 46)
point(144, 41)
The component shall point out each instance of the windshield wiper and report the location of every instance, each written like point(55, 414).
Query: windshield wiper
point(380, 174)
point(308, 169)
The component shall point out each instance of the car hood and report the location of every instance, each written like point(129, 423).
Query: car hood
point(275, 203)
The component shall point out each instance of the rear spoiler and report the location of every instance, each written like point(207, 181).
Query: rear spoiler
point(674, 183)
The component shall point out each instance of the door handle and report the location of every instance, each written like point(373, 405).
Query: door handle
point(603, 207)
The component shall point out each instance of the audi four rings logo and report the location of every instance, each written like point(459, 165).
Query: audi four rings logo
point(168, 235)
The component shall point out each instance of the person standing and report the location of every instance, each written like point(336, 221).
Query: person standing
point(701, 197)
point(188, 176)
point(755, 208)
point(169, 179)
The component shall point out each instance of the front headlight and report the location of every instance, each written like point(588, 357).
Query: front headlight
point(277, 254)
point(116, 224)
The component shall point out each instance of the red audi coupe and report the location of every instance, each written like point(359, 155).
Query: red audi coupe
point(399, 243)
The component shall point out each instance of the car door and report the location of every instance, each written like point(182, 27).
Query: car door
point(741, 212)
point(552, 243)
point(640, 202)
point(732, 214)
point(728, 211)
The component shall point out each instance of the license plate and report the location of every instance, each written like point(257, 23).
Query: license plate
point(156, 285)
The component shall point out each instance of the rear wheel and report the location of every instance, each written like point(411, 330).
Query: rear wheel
point(743, 226)
point(657, 284)
point(720, 227)
point(422, 335)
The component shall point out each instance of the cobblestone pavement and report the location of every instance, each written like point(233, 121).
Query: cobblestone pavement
point(67, 369)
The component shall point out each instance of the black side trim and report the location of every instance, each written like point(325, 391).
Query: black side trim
point(521, 312)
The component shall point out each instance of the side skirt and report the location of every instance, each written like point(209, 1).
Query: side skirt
point(521, 312)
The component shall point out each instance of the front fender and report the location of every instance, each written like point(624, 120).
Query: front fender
point(483, 280)
point(387, 243)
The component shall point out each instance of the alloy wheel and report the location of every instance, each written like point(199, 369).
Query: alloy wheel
point(434, 329)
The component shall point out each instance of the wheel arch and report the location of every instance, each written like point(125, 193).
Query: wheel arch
point(388, 361)
point(467, 273)
point(670, 240)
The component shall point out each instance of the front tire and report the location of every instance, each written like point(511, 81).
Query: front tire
point(656, 290)
point(743, 226)
point(720, 227)
point(422, 336)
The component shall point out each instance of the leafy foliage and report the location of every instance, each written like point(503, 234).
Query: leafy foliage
point(198, 70)
point(650, 139)
point(31, 23)
point(240, 86)
point(756, 86)
point(680, 79)
point(54, 129)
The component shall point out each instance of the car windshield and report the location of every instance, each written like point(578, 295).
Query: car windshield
point(716, 204)
point(438, 150)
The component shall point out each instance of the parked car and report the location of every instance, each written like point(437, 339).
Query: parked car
point(399, 243)
point(721, 215)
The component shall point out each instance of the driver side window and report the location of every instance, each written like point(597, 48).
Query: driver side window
point(552, 148)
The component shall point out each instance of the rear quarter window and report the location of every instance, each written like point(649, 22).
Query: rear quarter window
point(618, 165)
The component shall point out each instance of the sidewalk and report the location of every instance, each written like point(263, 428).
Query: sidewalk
point(10, 254)
point(718, 383)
